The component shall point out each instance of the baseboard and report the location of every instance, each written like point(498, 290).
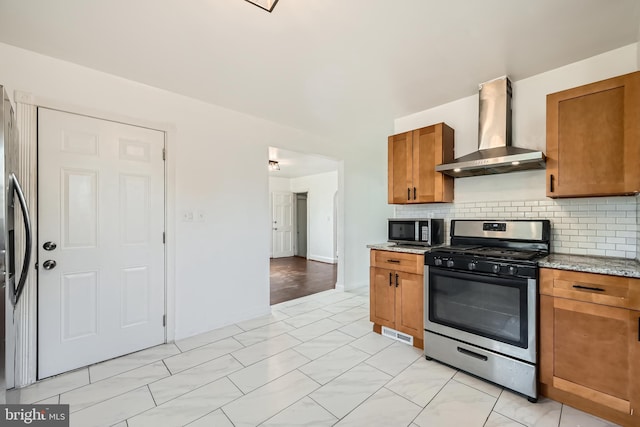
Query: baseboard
point(240, 317)
point(327, 260)
point(356, 286)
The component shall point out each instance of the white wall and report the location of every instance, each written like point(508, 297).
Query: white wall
point(279, 184)
point(218, 165)
point(529, 123)
point(321, 189)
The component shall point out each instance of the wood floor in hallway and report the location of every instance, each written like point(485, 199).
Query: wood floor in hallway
point(295, 277)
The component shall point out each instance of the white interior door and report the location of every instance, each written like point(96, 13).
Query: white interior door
point(101, 203)
point(282, 224)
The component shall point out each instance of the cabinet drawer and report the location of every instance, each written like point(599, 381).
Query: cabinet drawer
point(398, 261)
point(596, 288)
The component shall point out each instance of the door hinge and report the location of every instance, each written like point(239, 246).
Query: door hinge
point(164, 154)
point(163, 238)
point(164, 320)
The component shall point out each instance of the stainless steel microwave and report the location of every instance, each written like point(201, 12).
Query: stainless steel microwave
point(416, 231)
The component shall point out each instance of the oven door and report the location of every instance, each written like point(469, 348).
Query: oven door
point(495, 313)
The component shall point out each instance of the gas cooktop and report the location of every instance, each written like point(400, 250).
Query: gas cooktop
point(492, 252)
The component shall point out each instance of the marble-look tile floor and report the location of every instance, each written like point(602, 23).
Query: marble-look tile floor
point(313, 361)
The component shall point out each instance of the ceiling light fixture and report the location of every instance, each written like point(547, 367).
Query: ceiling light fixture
point(273, 165)
point(267, 5)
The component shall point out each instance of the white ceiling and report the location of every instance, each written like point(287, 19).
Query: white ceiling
point(331, 67)
point(295, 165)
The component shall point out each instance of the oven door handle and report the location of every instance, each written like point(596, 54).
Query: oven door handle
point(472, 354)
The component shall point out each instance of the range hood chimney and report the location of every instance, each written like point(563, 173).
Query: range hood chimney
point(495, 153)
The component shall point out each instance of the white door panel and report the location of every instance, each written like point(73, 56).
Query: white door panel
point(101, 201)
point(282, 227)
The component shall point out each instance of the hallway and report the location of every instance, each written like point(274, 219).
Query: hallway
point(295, 277)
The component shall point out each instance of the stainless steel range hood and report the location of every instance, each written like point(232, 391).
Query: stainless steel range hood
point(495, 153)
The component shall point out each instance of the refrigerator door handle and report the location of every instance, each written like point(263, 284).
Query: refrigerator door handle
point(15, 185)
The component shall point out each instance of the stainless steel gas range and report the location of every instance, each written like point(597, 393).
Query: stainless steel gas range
point(481, 299)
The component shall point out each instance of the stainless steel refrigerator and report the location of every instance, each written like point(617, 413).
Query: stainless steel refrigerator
point(13, 211)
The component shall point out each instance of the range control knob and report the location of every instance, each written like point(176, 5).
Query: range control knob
point(449, 263)
point(513, 270)
point(471, 266)
point(495, 268)
point(437, 261)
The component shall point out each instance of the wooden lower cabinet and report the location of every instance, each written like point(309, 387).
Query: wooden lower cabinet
point(590, 352)
point(397, 295)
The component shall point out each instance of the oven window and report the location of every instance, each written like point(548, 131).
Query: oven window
point(492, 307)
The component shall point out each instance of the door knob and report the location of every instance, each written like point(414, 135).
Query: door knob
point(49, 264)
point(49, 246)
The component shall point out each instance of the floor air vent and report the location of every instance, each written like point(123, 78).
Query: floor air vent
point(398, 336)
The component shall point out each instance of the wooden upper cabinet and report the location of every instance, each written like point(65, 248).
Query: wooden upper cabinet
point(593, 139)
point(400, 168)
point(413, 157)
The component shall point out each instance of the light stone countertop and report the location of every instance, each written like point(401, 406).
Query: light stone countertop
point(408, 249)
point(583, 263)
point(592, 264)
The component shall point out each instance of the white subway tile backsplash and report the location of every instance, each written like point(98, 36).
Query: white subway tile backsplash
point(625, 220)
point(578, 251)
point(629, 234)
point(627, 248)
point(616, 240)
point(621, 254)
point(600, 226)
point(587, 245)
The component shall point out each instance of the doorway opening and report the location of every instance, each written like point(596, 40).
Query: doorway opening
point(301, 225)
point(303, 257)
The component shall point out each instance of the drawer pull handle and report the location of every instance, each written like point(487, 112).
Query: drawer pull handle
point(390, 279)
point(472, 354)
point(589, 288)
point(397, 281)
point(394, 261)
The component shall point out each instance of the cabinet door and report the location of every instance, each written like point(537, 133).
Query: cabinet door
point(432, 146)
point(593, 139)
point(400, 168)
point(409, 304)
point(382, 297)
point(591, 351)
